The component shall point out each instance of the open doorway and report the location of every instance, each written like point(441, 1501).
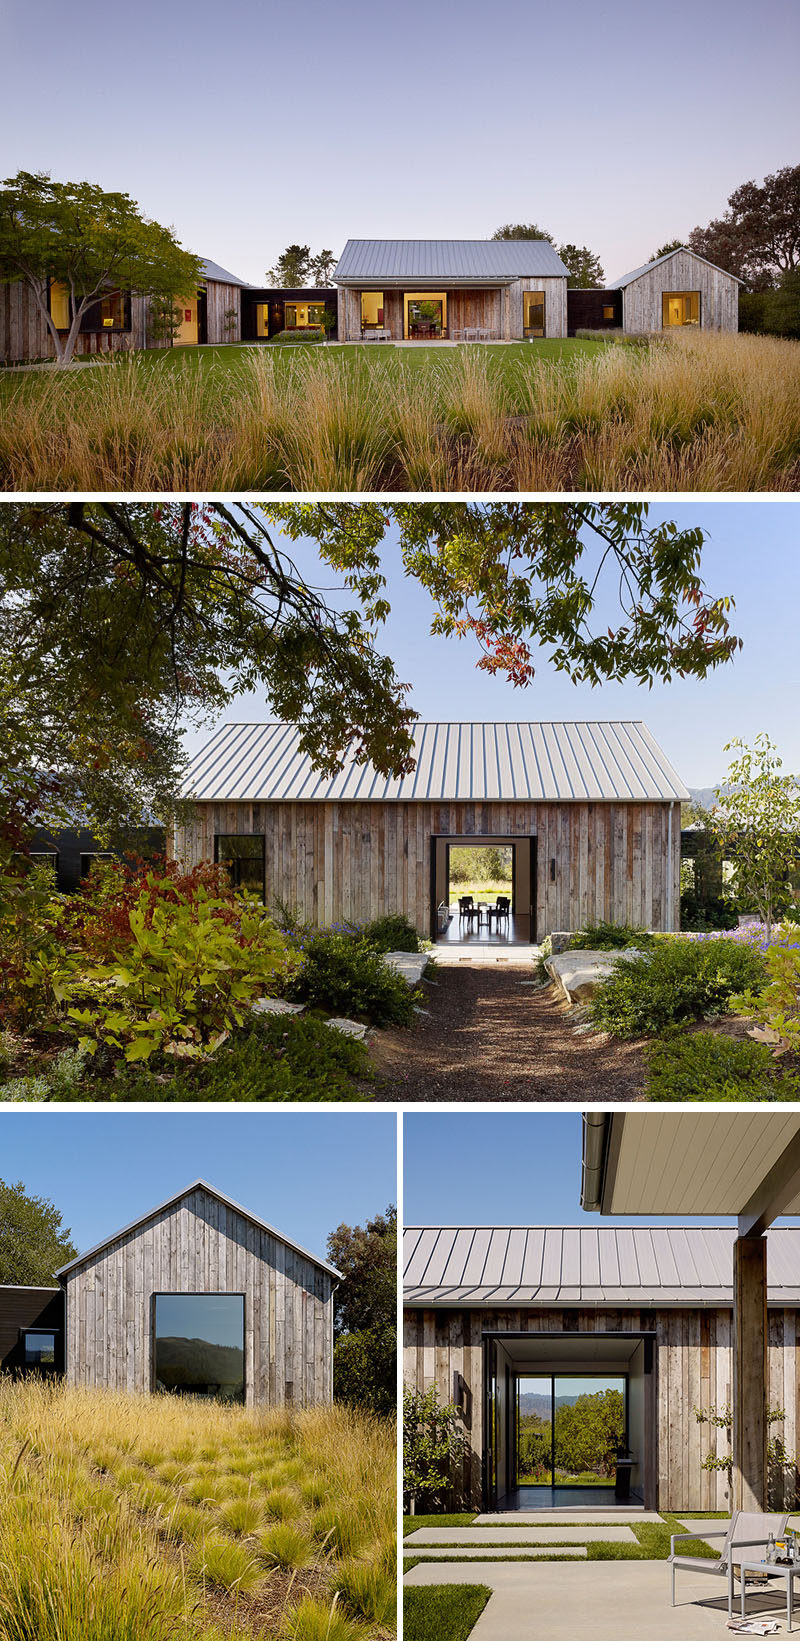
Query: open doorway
point(483, 890)
point(569, 1431)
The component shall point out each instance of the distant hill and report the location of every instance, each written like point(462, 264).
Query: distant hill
point(532, 1401)
point(196, 1364)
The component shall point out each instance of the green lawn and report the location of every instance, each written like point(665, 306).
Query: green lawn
point(442, 1612)
point(412, 1524)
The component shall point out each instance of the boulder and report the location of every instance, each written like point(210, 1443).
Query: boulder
point(411, 965)
point(349, 1028)
point(276, 1005)
point(578, 974)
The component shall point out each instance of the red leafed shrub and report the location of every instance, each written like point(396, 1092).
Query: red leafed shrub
point(97, 916)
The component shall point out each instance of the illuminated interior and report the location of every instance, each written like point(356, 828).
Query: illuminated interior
point(300, 315)
point(680, 308)
point(533, 313)
point(424, 314)
point(372, 310)
point(262, 319)
point(59, 305)
point(110, 312)
point(608, 313)
point(186, 334)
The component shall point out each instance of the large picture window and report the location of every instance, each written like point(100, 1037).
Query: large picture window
point(372, 310)
point(198, 1346)
point(244, 858)
point(533, 306)
point(680, 308)
point(302, 315)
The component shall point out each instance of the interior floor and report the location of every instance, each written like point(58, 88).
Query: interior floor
point(566, 1498)
point(459, 932)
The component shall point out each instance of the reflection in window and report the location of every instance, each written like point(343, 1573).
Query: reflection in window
point(40, 1348)
point(199, 1345)
point(244, 859)
point(59, 305)
point(372, 310)
point(533, 313)
point(680, 308)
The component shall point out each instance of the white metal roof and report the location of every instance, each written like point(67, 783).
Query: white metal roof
point(428, 262)
point(196, 1185)
point(628, 278)
point(212, 270)
point(542, 762)
point(641, 1265)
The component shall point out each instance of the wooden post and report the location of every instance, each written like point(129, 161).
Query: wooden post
point(749, 1429)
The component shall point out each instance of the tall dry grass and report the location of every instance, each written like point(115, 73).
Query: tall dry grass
point(700, 411)
point(129, 1518)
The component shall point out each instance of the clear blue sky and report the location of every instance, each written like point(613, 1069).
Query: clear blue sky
point(305, 1172)
point(250, 125)
point(753, 554)
point(502, 1168)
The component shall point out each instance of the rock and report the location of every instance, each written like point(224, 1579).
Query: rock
point(559, 941)
point(349, 1028)
point(578, 974)
point(276, 1005)
point(411, 965)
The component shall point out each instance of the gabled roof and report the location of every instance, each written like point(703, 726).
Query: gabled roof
point(212, 270)
point(540, 762)
point(210, 1190)
point(428, 262)
point(680, 250)
point(619, 1265)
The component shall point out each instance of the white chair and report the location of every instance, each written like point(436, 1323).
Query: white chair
point(746, 1530)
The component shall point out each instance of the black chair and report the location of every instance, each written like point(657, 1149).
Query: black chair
point(467, 910)
point(502, 909)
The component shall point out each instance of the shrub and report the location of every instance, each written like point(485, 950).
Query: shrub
point(433, 1447)
point(777, 1005)
point(702, 1065)
point(312, 1620)
point(346, 975)
point(285, 1545)
point(610, 937)
point(299, 335)
point(393, 933)
point(224, 1562)
point(677, 980)
point(369, 1591)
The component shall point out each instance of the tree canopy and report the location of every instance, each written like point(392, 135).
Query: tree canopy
point(522, 230)
point(756, 822)
point(297, 267)
point(121, 622)
point(758, 237)
point(365, 1312)
point(664, 250)
point(33, 1241)
point(585, 269)
point(89, 240)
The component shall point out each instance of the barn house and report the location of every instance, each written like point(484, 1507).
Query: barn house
point(120, 320)
point(590, 812)
point(679, 289)
point(506, 1320)
point(198, 1297)
point(461, 289)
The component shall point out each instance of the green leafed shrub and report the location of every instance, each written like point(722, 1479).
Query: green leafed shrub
point(306, 334)
point(777, 1005)
point(393, 933)
point(702, 1065)
point(347, 976)
point(677, 980)
point(610, 937)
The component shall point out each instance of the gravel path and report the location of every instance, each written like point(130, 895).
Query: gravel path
point(489, 1037)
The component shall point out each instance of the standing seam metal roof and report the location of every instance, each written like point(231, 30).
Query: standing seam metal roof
point(212, 270)
point(628, 278)
point(577, 762)
point(467, 261)
point(476, 1265)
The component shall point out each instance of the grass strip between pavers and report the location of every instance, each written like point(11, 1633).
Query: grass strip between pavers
point(442, 1612)
point(463, 1519)
point(653, 1544)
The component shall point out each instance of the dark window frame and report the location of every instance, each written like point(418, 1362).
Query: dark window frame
point(50, 1333)
point(666, 296)
point(533, 332)
point(259, 837)
point(197, 1293)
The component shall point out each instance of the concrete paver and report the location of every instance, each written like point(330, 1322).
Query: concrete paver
point(567, 1533)
point(529, 1518)
point(444, 1554)
point(590, 1601)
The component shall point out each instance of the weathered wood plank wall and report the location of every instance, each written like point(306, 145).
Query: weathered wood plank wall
point(219, 298)
point(338, 862)
point(719, 295)
point(693, 1366)
point(200, 1245)
point(24, 334)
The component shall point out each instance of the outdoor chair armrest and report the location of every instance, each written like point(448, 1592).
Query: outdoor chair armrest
point(746, 1543)
point(678, 1538)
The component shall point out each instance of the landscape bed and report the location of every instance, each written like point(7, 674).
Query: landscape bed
point(163, 1519)
point(700, 412)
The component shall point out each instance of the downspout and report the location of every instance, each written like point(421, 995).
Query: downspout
point(671, 898)
point(596, 1130)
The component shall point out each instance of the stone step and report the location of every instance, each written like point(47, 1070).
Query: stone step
point(539, 1535)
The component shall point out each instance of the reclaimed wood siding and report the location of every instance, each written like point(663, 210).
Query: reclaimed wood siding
point(693, 1366)
point(24, 334)
point(555, 306)
point(339, 862)
point(220, 297)
point(474, 307)
point(199, 1245)
point(719, 295)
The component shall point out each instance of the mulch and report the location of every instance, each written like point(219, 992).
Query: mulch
point(489, 1037)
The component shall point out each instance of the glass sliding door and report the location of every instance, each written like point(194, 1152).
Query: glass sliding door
point(569, 1429)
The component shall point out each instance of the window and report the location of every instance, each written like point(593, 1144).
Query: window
point(198, 1345)
point(44, 857)
point(111, 311)
point(245, 860)
point(533, 313)
point(680, 308)
point(372, 310)
point(59, 305)
point(93, 858)
point(608, 313)
point(40, 1348)
point(301, 315)
point(262, 319)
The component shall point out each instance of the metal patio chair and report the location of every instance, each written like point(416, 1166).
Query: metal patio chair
point(746, 1529)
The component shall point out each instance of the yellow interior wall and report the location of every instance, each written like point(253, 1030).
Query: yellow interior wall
point(531, 301)
point(676, 304)
point(371, 302)
point(262, 319)
point(186, 335)
point(59, 304)
point(424, 296)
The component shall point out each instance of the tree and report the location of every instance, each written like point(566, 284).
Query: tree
point(758, 237)
point(782, 306)
point(76, 234)
point(119, 621)
point(756, 820)
point(585, 269)
point(434, 1448)
point(664, 250)
point(33, 1241)
point(164, 319)
point(292, 269)
point(522, 230)
point(365, 1313)
point(589, 1431)
point(322, 266)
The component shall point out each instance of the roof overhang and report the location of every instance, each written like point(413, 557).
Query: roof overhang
point(744, 1164)
point(432, 282)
